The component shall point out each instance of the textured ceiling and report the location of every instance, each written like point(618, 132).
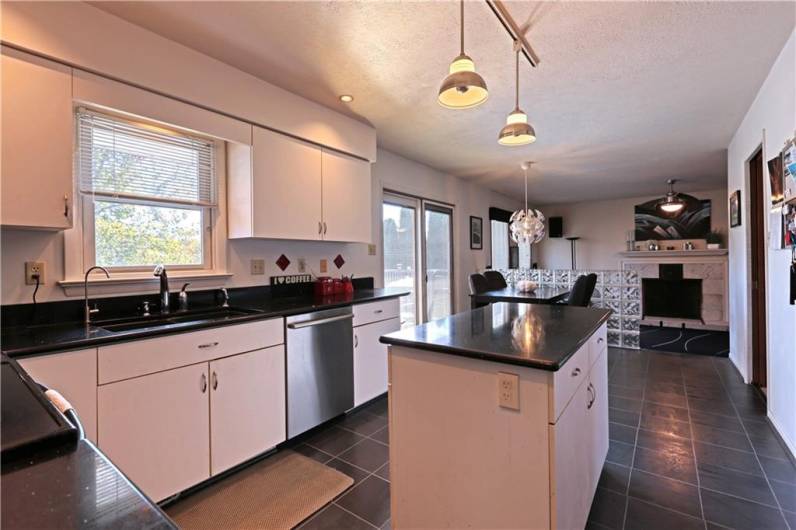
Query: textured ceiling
point(627, 94)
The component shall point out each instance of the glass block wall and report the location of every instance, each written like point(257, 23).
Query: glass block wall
point(619, 291)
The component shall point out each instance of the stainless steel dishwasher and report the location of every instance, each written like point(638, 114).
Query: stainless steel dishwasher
point(320, 368)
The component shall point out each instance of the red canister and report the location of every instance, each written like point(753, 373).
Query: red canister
point(324, 286)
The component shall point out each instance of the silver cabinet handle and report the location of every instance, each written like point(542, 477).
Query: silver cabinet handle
point(320, 228)
point(66, 206)
point(324, 228)
point(307, 323)
point(576, 372)
point(593, 393)
point(208, 345)
point(379, 311)
point(600, 340)
point(215, 381)
point(203, 385)
point(356, 341)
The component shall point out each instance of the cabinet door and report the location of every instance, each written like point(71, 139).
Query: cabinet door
point(74, 375)
point(37, 142)
point(286, 188)
point(370, 359)
point(156, 428)
point(247, 406)
point(571, 473)
point(347, 208)
point(598, 417)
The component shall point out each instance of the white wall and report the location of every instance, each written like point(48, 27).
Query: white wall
point(396, 173)
point(773, 114)
point(602, 227)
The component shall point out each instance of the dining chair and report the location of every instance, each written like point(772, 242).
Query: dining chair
point(478, 285)
point(495, 280)
point(583, 290)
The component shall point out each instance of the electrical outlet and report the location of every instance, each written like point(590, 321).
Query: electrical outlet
point(302, 265)
point(371, 250)
point(258, 266)
point(31, 269)
point(509, 391)
point(324, 265)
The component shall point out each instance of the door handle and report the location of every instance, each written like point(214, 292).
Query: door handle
point(308, 323)
point(215, 381)
point(203, 384)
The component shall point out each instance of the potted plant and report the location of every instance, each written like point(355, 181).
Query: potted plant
point(714, 239)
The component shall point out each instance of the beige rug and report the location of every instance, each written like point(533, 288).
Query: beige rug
point(278, 492)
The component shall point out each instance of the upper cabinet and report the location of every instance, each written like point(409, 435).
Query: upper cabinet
point(36, 174)
point(284, 188)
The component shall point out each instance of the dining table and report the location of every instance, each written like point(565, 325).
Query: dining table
point(542, 294)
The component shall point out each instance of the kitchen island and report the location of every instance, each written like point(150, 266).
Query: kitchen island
point(498, 418)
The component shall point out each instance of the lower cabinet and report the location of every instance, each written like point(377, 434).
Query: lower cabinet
point(170, 430)
point(579, 439)
point(247, 406)
point(370, 359)
point(74, 375)
point(155, 429)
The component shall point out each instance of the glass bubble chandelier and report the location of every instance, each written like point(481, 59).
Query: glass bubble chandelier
point(527, 225)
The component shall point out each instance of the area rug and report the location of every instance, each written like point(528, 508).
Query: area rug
point(278, 492)
point(677, 340)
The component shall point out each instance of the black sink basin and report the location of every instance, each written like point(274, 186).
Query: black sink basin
point(185, 318)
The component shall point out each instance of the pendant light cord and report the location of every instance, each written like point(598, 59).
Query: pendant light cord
point(461, 26)
point(517, 82)
point(526, 190)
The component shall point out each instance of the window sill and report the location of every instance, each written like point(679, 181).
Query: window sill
point(130, 283)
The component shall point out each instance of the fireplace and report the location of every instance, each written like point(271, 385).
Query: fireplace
point(670, 295)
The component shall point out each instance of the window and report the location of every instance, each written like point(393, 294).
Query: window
point(148, 194)
point(500, 244)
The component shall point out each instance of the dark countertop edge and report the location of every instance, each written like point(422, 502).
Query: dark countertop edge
point(497, 357)
point(67, 345)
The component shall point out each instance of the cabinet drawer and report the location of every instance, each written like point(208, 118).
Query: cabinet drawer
point(376, 311)
point(141, 357)
point(566, 382)
point(598, 343)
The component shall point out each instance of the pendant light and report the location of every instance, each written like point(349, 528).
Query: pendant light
point(517, 130)
point(463, 88)
point(527, 226)
point(671, 203)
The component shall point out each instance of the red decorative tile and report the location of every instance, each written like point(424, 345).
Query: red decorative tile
point(339, 261)
point(282, 262)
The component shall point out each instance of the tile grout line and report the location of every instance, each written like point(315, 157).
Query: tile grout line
point(694, 453)
point(635, 442)
point(757, 457)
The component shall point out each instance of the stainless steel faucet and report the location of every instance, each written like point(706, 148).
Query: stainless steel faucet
point(225, 297)
point(184, 297)
point(88, 312)
point(160, 271)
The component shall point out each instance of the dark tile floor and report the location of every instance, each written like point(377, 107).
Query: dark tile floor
point(689, 448)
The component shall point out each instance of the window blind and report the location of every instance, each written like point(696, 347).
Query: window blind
point(124, 159)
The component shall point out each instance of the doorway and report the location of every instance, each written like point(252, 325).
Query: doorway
point(757, 226)
point(418, 255)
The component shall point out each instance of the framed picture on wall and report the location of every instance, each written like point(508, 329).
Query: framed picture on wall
point(735, 208)
point(476, 233)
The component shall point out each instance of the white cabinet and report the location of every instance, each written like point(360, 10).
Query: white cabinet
point(284, 188)
point(37, 132)
point(370, 359)
point(598, 417)
point(247, 406)
point(155, 429)
point(74, 375)
point(347, 206)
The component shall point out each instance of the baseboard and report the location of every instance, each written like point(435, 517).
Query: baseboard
point(784, 439)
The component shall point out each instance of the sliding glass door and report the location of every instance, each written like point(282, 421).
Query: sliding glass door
point(418, 256)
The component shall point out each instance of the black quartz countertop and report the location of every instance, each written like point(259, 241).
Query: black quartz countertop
point(533, 335)
point(18, 341)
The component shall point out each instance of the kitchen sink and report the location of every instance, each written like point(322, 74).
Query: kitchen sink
point(186, 318)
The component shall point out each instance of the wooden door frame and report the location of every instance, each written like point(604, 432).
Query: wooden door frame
point(757, 269)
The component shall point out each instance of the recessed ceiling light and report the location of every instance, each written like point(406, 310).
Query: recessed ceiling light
point(346, 98)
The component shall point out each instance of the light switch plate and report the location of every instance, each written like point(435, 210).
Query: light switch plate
point(258, 266)
point(509, 390)
point(324, 265)
point(35, 267)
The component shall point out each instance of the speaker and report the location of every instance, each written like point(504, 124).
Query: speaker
point(555, 227)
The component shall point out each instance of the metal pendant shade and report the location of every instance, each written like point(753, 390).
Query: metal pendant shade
point(671, 203)
point(463, 88)
point(517, 130)
point(527, 226)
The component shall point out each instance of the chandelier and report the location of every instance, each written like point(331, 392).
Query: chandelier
point(527, 225)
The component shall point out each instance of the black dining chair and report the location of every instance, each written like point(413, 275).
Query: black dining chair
point(495, 280)
point(582, 290)
point(478, 285)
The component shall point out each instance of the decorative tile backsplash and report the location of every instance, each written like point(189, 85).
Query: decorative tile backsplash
point(619, 291)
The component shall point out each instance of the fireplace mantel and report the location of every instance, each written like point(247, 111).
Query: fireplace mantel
point(652, 254)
